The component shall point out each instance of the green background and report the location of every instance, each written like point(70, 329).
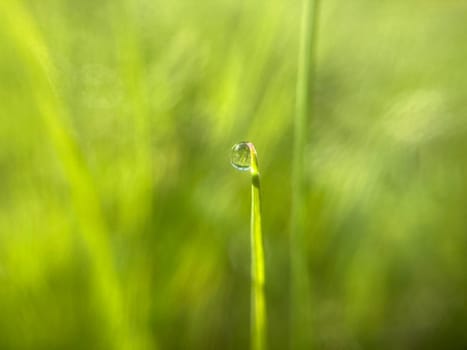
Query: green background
point(123, 225)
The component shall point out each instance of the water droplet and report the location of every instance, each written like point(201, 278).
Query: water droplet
point(241, 156)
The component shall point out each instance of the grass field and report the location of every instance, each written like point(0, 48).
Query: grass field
point(124, 226)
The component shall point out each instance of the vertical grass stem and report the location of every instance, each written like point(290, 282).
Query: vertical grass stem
point(300, 285)
point(258, 316)
point(244, 158)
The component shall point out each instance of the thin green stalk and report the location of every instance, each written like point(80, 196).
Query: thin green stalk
point(244, 158)
point(300, 286)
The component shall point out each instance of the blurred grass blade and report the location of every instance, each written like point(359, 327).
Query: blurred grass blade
point(85, 200)
point(300, 289)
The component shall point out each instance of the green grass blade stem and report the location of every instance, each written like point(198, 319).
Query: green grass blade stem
point(258, 311)
point(300, 286)
point(244, 158)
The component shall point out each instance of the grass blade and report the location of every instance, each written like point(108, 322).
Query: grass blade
point(244, 158)
point(300, 286)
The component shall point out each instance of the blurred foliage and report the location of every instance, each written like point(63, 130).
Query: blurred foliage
point(123, 225)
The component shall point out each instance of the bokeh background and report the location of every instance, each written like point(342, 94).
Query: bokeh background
point(123, 225)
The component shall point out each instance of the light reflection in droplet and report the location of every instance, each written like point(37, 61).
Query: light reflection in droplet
point(241, 156)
